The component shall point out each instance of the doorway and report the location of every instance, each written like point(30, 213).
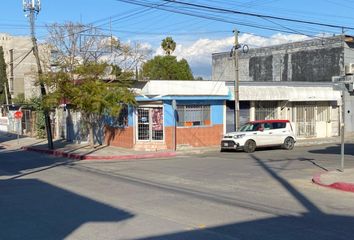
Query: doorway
point(150, 124)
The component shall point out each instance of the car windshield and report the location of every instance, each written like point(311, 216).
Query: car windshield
point(250, 127)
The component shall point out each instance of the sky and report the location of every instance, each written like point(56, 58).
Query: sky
point(199, 30)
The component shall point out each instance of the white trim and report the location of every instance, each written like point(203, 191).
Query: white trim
point(160, 88)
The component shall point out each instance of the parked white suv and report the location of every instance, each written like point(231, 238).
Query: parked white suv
point(260, 134)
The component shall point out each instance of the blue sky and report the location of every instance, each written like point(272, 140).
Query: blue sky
point(196, 37)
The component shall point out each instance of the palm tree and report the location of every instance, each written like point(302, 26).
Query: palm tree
point(168, 45)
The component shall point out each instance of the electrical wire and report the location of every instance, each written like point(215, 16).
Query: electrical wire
point(259, 15)
point(214, 18)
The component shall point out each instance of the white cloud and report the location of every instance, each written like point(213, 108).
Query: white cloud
point(198, 54)
point(258, 41)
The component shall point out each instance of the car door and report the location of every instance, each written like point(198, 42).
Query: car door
point(279, 132)
point(260, 135)
point(269, 136)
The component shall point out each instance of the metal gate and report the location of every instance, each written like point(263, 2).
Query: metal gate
point(150, 124)
point(265, 110)
point(305, 119)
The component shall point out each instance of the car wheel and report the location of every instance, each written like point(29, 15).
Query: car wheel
point(289, 143)
point(250, 146)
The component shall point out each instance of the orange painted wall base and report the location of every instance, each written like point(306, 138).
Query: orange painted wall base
point(119, 137)
point(190, 136)
point(194, 136)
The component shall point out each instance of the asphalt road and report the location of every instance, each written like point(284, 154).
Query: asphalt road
point(231, 195)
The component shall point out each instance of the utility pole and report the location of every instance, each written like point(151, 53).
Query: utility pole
point(237, 81)
point(32, 7)
point(342, 124)
point(342, 129)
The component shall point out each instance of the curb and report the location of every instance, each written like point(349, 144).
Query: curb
point(75, 156)
point(342, 186)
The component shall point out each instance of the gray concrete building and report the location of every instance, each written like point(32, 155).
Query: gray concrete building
point(315, 60)
point(267, 75)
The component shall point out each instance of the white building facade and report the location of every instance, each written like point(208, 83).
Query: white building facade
point(313, 109)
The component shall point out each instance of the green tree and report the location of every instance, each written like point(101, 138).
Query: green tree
point(3, 79)
point(168, 45)
point(88, 93)
point(167, 68)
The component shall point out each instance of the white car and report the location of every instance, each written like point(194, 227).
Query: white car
point(262, 133)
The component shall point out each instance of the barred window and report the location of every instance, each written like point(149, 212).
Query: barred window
point(266, 110)
point(193, 115)
point(323, 113)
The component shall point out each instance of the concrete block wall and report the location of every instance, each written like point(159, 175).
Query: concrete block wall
point(349, 53)
point(312, 60)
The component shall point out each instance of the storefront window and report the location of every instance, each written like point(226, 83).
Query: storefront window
point(193, 115)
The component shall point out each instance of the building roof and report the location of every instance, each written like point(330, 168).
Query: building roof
point(172, 89)
point(249, 91)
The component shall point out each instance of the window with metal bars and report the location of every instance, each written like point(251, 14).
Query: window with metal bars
point(266, 110)
point(193, 115)
point(323, 113)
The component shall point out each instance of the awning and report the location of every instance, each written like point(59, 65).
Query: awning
point(287, 93)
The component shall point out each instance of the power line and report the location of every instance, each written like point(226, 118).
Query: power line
point(212, 18)
point(110, 20)
point(258, 15)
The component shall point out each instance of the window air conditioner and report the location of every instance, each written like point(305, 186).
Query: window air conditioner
point(349, 69)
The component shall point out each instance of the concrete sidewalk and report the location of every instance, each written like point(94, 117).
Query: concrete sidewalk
point(78, 151)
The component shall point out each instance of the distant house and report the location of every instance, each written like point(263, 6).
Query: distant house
point(21, 65)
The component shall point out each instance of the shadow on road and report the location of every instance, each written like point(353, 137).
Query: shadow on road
point(311, 225)
point(32, 209)
point(19, 162)
point(348, 149)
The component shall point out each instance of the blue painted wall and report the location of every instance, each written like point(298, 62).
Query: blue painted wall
point(169, 118)
point(130, 116)
point(216, 110)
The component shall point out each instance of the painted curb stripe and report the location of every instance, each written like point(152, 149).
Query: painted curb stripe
point(347, 187)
